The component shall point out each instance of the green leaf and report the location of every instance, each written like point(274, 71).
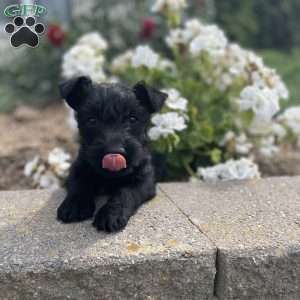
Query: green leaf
point(206, 132)
point(216, 155)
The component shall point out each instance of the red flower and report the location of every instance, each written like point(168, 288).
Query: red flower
point(148, 28)
point(56, 35)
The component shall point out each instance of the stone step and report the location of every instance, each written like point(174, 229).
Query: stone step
point(160, 255)
point(255, 226)
point(236, 240)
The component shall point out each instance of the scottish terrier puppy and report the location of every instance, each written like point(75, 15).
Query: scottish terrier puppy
point(113, 158)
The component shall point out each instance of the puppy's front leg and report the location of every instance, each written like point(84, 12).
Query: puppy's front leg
point(114, 215)
point(79, 203)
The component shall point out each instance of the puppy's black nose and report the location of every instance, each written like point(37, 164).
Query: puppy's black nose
point(117, 150)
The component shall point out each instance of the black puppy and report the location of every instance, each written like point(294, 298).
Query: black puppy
point(113, 159)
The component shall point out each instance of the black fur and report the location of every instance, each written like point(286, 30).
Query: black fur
point(111, 119)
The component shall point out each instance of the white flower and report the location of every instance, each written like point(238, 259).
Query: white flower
point(263, 102)
point(169, 5)
point(121, 62)
point(265, 128)
point(49, 181)
point(254, 60)
point(192, 28)
point(38, 173)
point(93, 40)
point(268, 147)
point(266, 77)
point(176, 38)
point(182, 36)
point(280, 87)
point(59, 160)
point(211, 39)
point(58, 155)
point(166, 65)
point(48, 174)
point(278, 130)
point(144, 56)
point(235, 63)
point(31, 166)
point(236, 59)
point(242, 145)
point(83, 60)
point(86, 58)
point(155, 133)
point(228, 137)
point(231, 170)
point(291, 118)
point(175, 101)
point(165, 124)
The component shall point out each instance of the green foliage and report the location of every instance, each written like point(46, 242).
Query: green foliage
point(260, 24)
point(121, 22)
point(31, 75)
point(233, 98)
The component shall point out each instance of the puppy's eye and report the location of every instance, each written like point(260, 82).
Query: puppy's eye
point(132, 119)
point(92, 121)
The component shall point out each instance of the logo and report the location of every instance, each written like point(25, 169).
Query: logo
point(24, 29)
point(15, 10)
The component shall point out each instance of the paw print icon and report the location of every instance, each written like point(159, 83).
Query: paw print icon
point(24, 31)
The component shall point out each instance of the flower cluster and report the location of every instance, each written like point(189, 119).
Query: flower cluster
point(291, 120)
point(144, 56)
point(172, 120)
point(166, 124)
point(230, 63)
point(86, 57)
point(48, 174)
point(231, 170)
point(182, 37)
point(223, 101)
point(262, 101)
point(141, 57)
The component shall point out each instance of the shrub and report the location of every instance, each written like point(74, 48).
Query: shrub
point(260, 24)
point(224, 102)
point(31, 75)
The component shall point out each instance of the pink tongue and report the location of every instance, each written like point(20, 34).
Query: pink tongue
point(114, 162)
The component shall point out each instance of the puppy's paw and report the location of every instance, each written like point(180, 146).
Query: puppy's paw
point(74, 211)
point(110, 219)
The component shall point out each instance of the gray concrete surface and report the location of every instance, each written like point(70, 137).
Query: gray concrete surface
point(160, 255)
point(255, 226)
point(237, 240)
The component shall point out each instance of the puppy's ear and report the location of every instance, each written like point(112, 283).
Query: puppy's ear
point(150, 97)
point(74, 90)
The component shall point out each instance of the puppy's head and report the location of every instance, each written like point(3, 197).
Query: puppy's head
point(112, 122)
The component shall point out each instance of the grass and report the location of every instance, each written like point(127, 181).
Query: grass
point(288, 66)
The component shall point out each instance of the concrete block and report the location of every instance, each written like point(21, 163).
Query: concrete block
point(255, 226)
point(160, 254)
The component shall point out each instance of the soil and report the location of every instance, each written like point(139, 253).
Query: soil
point(29, 132)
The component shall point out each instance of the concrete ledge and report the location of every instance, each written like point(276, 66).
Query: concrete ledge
point(160, 255)
point(255, 226)
point(194, 241)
